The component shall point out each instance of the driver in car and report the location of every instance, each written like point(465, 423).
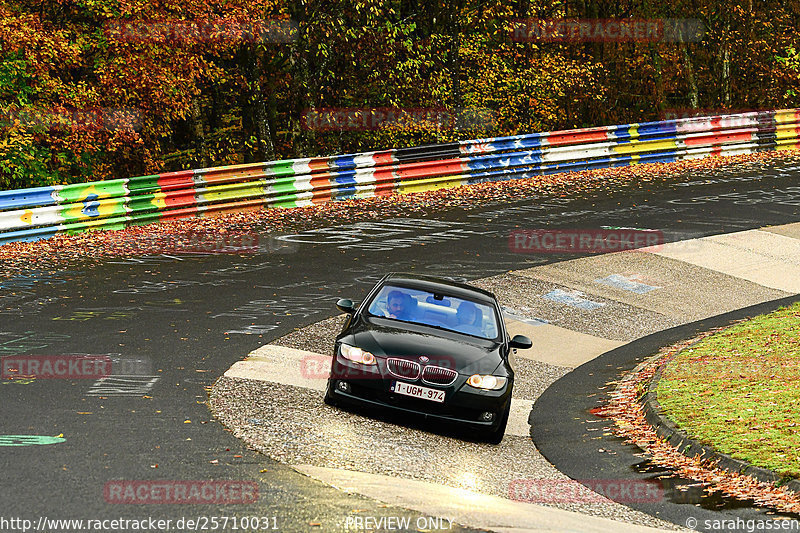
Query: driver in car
point(398, 305)
point(468, 317)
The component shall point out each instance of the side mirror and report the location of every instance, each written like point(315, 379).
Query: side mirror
point(520, 341)
point(346, 306)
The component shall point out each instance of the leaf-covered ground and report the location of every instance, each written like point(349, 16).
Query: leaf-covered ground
point(627, 412)
point(737, 391)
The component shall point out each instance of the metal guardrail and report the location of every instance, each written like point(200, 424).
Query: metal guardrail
point(37, 213)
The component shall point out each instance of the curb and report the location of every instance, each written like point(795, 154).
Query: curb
point(678, 439)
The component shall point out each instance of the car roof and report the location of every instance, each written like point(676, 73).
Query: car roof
point(433, 284)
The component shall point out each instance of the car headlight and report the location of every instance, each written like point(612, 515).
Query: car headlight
point(486, 382)
point(356, 354)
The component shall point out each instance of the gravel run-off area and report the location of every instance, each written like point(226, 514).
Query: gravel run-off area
point(293, 426)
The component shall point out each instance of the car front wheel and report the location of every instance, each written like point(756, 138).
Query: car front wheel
point(329, 399)
point(496, 436)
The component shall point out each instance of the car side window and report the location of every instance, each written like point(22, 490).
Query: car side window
point(378, 306)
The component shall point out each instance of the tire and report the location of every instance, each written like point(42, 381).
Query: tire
point(329, 399)
point(496, 436)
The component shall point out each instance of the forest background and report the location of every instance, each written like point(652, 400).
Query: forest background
point(104, 89)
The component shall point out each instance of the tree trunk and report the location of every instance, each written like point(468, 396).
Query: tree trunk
point(265, 150)
point(301, 138)
point(689, 68)
point(726, 76)
point(658, 81)
point(199, 126)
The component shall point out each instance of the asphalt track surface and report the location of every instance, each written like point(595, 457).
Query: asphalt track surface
point(177, 323)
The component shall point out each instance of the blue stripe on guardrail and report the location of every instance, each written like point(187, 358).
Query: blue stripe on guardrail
point(34, 197)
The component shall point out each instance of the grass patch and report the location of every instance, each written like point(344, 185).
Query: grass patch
point(739, 391)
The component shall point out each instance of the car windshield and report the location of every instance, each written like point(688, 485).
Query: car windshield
point(439, 310)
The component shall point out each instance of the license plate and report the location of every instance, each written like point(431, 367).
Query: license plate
point(415, 391)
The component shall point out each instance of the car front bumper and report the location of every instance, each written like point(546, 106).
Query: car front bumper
point(463, 405)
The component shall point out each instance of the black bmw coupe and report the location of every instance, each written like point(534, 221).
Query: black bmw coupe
point(427, 346)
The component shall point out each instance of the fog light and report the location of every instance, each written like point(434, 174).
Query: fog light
point(488, 416)
point(343, 386)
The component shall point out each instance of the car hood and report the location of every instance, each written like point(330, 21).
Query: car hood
point(465, 354)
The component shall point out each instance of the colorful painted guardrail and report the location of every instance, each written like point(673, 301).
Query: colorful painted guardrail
point(37, 213)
